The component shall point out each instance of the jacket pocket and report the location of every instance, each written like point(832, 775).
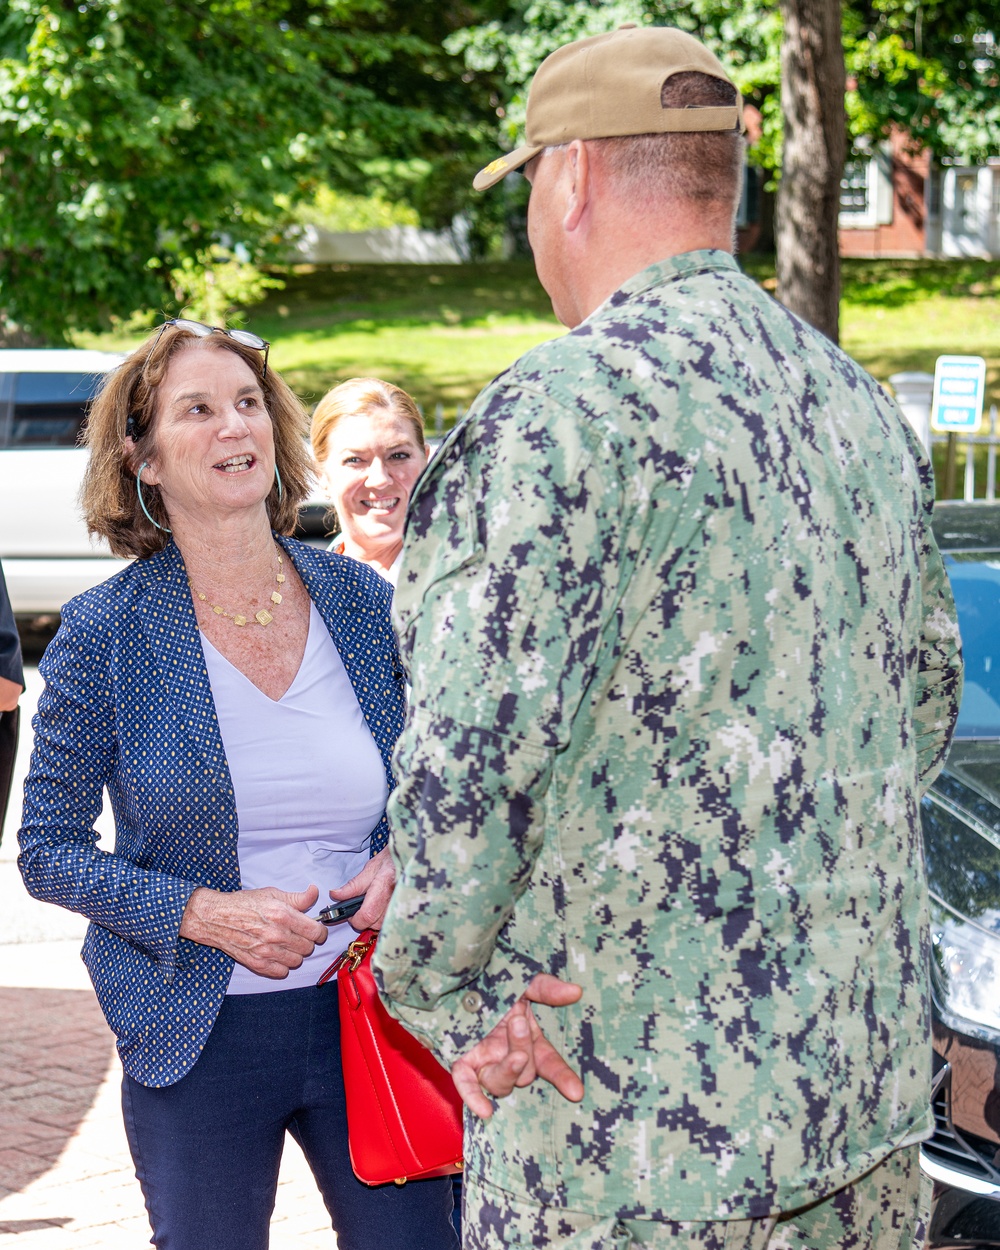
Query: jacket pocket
point(121, 975)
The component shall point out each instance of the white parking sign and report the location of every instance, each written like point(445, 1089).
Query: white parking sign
point(959, 388)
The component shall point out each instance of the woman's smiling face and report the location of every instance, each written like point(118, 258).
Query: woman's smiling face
point(372, 464)
point(214, 445)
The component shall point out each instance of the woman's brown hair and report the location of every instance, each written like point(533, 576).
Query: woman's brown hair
point(109, 497)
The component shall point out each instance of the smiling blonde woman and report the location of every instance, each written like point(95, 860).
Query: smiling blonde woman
point(368, 440)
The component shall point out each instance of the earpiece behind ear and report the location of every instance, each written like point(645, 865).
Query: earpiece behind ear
point(132, 429)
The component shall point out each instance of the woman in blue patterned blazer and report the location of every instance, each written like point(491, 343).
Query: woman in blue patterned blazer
point(238, 694)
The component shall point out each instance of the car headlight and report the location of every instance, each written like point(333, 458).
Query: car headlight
point(965, 967)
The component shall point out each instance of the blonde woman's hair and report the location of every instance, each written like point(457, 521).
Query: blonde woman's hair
point(109, 498)
point(361, 395)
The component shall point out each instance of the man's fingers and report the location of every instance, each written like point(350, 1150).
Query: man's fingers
point(520, 1042)
point(548, 1062)
point(559, 1074)
point(552, 1067)
point(516, 1051)
point(551, 991)
point(466, 1081)
point(511, 1061)
point(496, 1064)
point(500, 1078)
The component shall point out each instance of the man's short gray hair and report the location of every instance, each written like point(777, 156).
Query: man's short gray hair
point(703, 167)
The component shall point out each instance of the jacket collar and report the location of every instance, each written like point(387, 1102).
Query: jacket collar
point(167, 614)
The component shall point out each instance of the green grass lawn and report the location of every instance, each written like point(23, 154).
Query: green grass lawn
point(442, 331)
point(898, 315)
point(439, 331)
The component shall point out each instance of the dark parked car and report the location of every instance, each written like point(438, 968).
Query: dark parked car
point(961, 821)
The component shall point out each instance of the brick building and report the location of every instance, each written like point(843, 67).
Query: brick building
point(897, 202)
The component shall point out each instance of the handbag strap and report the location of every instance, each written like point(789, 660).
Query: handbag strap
point(353, 956)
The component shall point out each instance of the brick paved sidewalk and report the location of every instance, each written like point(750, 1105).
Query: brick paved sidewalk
point(66, 1178)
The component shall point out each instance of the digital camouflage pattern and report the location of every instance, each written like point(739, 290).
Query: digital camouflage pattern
point(886, 1208)
point(683, 655)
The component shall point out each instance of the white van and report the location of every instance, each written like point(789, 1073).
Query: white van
point(47, 554)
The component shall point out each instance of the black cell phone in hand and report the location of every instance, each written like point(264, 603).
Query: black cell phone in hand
point(341, 911)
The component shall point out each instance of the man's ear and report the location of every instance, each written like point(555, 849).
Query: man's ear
point(577, 169)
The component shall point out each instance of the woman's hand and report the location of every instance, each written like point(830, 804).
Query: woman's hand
point(264, 930)
point(376, 882)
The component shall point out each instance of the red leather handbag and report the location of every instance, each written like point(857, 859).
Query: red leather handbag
point(404, 1115)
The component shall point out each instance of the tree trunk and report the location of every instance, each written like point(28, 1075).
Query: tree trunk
point(812, 101)
point(11, 335)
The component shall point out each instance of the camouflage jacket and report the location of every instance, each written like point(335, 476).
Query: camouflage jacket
point(683, 655)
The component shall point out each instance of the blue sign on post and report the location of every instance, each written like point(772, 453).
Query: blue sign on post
point(959, 390)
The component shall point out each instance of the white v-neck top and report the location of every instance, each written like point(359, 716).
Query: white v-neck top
point(391, 574)
point(309, 783)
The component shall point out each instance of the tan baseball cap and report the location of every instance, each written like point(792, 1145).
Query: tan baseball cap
point(609, 85)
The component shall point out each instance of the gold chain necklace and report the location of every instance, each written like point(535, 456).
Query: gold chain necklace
point(263, 617)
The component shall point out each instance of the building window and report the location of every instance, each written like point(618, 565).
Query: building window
point(866, 193)
point(966, 194)
point(854, 189)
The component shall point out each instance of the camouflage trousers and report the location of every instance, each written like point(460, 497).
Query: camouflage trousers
point(886, 1209)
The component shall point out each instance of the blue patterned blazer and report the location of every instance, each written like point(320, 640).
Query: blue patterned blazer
point(127, 705)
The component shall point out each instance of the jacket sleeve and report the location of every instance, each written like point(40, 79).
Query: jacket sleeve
point(75, 752)
point(509, 622)
point(939, 669)
point(939, 684)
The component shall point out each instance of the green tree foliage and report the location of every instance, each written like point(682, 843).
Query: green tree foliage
point(928, 67)
point(931, 67)
point(138, 137)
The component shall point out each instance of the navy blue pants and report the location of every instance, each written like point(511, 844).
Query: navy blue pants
point(207, 1149)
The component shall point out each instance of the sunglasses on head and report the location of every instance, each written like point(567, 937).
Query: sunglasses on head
point(200, 330)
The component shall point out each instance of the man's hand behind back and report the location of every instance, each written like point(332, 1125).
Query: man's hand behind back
point(516, 1051)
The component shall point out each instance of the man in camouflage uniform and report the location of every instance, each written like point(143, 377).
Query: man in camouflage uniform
point(683, 657)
